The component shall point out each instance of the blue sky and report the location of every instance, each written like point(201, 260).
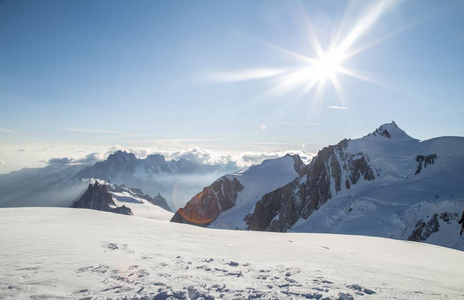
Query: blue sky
point(176, 74)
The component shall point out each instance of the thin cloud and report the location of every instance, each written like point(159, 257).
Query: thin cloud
point(87, 160)
point(2, 162)
point(6, 130)
point(251, 74)
point(295, 124)
point(337, 107)
point(97, 131)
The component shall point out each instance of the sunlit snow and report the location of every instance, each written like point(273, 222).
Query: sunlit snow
point(54, 253)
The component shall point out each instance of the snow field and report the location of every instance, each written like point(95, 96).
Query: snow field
point(55, 253)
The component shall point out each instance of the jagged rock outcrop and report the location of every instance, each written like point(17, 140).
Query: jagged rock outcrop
point(97, 197)
point(425, 161)
point(206, 206)
point(325, 176)
point(160, 201)
point(424, 230)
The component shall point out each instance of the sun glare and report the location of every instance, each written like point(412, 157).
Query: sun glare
point(314, 72)
point(327, 66)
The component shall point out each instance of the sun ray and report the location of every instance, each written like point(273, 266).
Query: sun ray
point(364, 24)
point(358, 76)
point(313, 73)
point(339, 90)
point(372, 44)
point(314, 40)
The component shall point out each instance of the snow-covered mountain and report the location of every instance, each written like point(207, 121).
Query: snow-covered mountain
point(154, 174)
point(53, 185)
point(226, 202)
point(123, 200)
point(64, 253)
point(97, 197)
point(136, 195)
point(385, 184)
point(178, 180)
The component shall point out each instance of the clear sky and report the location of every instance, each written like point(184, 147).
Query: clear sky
point(76, 76)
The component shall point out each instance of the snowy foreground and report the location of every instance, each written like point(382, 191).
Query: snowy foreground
point(54, 253)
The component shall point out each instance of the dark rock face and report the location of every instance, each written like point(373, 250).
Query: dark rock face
point(424, 230)
point(160, 201)
point(97, 197)
point(157, 200)
point(299, 165)
point(425, 161)
point(449, 217)
point(332, 170)
point(116, 163)
point(382, 132)
point(206, 206)
point(269, 207)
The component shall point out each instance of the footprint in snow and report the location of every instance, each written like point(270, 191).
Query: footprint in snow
point(360, 290)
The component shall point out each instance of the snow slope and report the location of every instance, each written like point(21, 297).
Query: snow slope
point(402, 197)
point(141, 207)
point(256, 181)
point(385, 184)
point(225, 203)
point(56, 253)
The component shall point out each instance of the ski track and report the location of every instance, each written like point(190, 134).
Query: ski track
point(52, 253)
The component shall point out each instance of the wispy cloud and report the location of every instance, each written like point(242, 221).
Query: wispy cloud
point(97, 131)
point(5, 130)
point(87, 160)
point(337, 107)
point(244, 75)
point(295, 124)
point(2, 162)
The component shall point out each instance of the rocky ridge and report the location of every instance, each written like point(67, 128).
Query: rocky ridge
point(97, 197)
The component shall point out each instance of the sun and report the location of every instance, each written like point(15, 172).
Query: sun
point(327, 65)
point(321, 66)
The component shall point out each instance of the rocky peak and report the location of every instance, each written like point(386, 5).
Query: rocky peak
point(97, 197)
point(331, 171)
point(156, 159)
point(299, 164)
point(390, 131)
point(206, 206)
point(185, 165)
point(122, 159)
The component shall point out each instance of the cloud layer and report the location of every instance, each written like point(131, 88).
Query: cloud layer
point(197, 155)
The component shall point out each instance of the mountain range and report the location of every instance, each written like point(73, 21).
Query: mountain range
point(385, 184)
point(61, 184)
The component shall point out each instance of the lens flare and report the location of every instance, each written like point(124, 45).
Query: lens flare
point(193, 211)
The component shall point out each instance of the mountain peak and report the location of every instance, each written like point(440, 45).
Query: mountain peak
point(97, 197)
point(121, 156)
point(156, 159)
point(390, 131)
